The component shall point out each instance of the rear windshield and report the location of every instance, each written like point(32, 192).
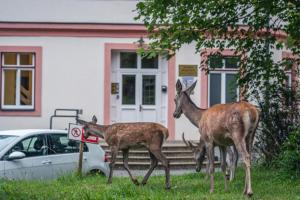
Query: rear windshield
point(5, 140)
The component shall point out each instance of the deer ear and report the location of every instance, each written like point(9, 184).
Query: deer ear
point(191, 88)
point(82, 122)
point(94, 119)
point(178, 86)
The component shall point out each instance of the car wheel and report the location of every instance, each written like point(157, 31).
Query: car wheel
point(96, 172)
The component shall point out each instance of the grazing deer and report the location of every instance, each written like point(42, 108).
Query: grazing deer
point(199, 156)
point(222, 125)
point(124, 136)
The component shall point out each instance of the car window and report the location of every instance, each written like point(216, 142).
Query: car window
point(31, 146)
point(59, 144)
point(5, 140)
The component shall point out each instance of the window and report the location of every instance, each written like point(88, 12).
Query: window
point(128, 60)
point(31, 146)
point(17, 86)
point(60, 144)
point(222, 79)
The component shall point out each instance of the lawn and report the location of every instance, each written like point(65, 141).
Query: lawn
point(266, 185)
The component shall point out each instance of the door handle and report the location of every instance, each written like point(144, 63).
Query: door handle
point(46, 162)
point(141, 108)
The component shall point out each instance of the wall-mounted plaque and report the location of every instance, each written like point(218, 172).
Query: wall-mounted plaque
point(188, 70)
point(114, 88)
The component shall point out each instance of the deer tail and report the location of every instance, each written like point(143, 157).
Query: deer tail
point(166, 134)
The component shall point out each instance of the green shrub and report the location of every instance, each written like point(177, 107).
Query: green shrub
point(289, 158)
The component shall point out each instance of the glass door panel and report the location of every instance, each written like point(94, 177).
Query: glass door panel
point(148, 90)
point(128, 89)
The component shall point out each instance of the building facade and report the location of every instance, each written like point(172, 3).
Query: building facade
point(82, 54)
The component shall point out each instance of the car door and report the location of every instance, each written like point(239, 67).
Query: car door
point(1, 169)
point(64, 154)
point(34, 165)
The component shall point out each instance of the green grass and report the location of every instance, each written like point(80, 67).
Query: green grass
point(265, 183)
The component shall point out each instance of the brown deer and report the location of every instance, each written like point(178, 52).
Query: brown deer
point(199, 156)
point(123, 136)
point(221, 125)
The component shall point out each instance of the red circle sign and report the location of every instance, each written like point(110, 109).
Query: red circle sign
point(76, 132)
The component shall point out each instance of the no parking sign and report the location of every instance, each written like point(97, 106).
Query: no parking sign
point(76, 133)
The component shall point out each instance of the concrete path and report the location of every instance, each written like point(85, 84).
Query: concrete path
point(122, 173)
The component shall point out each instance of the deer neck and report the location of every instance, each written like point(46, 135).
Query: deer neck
point(192, 112)
point(101, 130)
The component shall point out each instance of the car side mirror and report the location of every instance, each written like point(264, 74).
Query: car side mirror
point(16, 155)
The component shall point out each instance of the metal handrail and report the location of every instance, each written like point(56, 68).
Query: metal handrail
point(56, 114)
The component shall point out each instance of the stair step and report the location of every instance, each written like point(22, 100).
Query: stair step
point(173, 165)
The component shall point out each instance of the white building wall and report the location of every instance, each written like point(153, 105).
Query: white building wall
point(72, 77)
point(187, 56)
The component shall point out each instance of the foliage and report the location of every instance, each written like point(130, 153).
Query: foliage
point(255, 29)
point(188, 186)
point(289, 158)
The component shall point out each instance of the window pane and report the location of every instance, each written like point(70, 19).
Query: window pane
point(128, 89)
point(59, 144)
point(149, 90)
point(215, 61)
point(150, 63)
point(128, 60)
point(232, 62)
point(10, 59)
point(26, 88)
point(32, 146)
point(26, 59)
point(231, 88)
point(215, 89)
point(10, 87)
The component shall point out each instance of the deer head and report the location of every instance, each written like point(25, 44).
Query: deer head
point(199, 153)
point(88, 126)
point(181, 97)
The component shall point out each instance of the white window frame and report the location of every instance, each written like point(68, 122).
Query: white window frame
point(18, 67)
point(223, 71)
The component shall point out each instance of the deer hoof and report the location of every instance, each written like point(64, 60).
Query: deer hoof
point(211, 191)
point(249, 194)
point(135, 182)
point(168, 187)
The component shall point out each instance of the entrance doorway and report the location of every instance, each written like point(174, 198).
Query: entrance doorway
point(140, 96)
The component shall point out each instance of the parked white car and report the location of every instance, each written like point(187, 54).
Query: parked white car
point(46, 154)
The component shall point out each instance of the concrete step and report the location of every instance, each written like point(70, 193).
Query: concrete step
point(173, 165)
point(178, 154)
point(147, 159)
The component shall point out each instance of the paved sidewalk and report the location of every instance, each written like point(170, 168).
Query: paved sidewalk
point(122, 173)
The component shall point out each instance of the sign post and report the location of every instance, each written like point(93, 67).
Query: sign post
point(76, 133)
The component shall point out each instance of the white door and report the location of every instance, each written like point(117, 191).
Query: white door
point(140, 97)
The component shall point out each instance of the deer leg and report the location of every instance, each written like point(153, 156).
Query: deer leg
point(235, 157)
point(230, 163)
point(125, 162)
point(211, 157)
point(202, 155)
point(223, 165)
point(114, 152)
point(160, 156)
point(242, 148)
point(153, 165)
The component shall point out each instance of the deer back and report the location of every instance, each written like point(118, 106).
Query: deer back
point(128, 135)
point(228, 118)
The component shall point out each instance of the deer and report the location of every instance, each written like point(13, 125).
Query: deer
point(123, 136)
point(221, 125)
point(199, 156)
